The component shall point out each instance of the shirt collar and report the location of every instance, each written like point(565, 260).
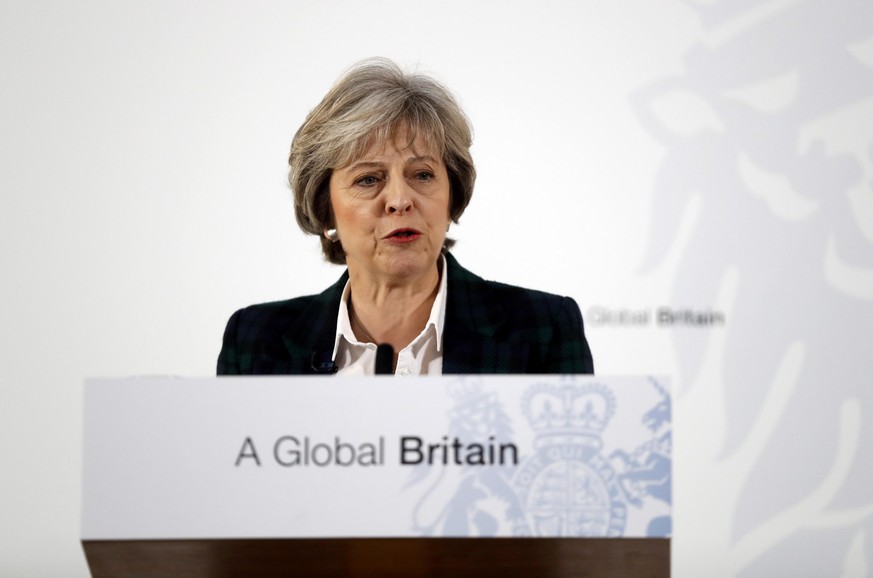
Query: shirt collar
point(437, 318)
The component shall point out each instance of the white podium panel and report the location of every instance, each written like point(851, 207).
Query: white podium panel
point(256, 457)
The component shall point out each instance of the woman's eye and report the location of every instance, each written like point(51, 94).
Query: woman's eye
point(424, 176)
point(367, 181)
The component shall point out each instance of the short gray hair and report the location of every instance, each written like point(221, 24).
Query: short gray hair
point(370, 103)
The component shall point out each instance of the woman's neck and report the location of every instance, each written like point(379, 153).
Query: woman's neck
point(393, 313)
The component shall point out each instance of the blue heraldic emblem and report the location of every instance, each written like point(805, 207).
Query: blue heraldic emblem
point(646, 474)
point(571, 483)
point(479, 501)
point(567, 487)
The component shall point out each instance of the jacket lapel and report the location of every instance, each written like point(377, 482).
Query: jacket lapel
point(315, 331)
point(474, 340)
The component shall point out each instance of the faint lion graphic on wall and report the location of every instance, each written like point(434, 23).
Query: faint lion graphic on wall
point(768, 181)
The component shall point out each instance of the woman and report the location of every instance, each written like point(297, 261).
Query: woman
point(379, 170)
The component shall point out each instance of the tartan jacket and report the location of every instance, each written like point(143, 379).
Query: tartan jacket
point(489, 328)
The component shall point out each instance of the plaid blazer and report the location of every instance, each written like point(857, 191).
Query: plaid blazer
point(489, 328)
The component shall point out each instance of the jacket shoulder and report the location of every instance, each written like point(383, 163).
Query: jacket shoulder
point(278, 336)
point(531, 308)
point(543, 328)
point(275, 313)
point(483, 296)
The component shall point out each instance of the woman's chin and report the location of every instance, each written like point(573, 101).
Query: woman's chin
point(408, 266)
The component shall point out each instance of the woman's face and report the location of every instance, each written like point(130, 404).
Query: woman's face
point(392, 210)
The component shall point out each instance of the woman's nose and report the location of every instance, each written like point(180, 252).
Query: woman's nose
point(398, 196)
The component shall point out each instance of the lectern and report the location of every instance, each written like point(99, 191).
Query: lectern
point(451, 476)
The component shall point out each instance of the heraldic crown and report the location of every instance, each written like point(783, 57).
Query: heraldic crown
point(569, 409)
point(465, 389)
point(475, 409)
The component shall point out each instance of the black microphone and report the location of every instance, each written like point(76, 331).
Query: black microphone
point(322, 362)
point(384, 359)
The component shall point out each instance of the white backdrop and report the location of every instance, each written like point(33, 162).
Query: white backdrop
point(715, 155)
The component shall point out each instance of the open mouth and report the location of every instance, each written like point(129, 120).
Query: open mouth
point(403, 234)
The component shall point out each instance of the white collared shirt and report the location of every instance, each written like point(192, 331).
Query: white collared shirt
point(424, 356)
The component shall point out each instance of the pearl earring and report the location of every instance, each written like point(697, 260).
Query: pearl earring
point(332, 235)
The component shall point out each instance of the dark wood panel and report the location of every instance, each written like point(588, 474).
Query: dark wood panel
point(383, 557)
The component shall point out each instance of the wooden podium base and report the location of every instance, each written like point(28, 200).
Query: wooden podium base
point(382, 557)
